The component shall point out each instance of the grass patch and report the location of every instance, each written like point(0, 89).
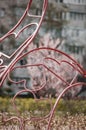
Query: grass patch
point(69, 114)
point(43, 105)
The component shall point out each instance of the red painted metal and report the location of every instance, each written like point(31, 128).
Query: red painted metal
point(5, 70)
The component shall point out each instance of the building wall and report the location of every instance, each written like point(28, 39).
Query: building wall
point(75, 1)
point(75, 30)
point(76, 15)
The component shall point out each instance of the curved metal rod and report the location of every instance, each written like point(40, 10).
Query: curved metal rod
point(56, 75)
point(24, 45)
point(80, 68)
point(19, 54)
point(59, 97)
point(19, 22)
point(33, 91)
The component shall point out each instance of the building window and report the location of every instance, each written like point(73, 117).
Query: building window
point(63, 16)
point(78, 1)
point(77, 32)
point(73, 15)
point(56, 0)
point(38, 11)
point(2, 12)
point(61, 1)
point(1, 47)
point(23, 62)
point(77, 16)
point(74, 49)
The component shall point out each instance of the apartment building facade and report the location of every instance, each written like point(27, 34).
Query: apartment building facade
point(73, 31)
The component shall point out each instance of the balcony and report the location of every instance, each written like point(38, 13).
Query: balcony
point(77, 8)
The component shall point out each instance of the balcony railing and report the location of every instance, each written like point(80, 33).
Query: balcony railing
point(76, 8)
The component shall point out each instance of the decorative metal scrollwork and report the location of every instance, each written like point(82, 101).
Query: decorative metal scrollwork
point(48, 54)
point(4, 71)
